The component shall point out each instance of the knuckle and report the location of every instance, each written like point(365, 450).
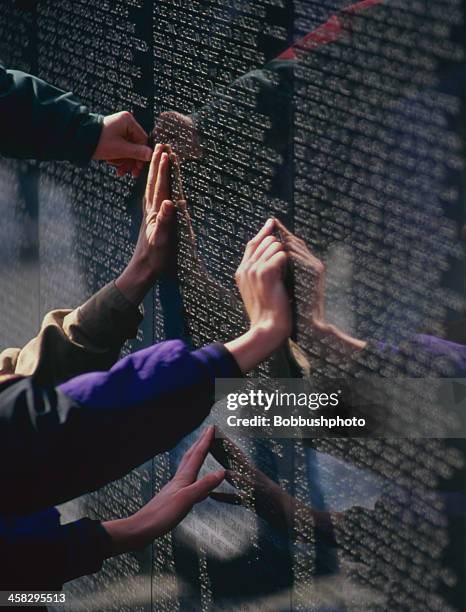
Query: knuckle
point(268, 240)
point(264, 272)
point(319, 267)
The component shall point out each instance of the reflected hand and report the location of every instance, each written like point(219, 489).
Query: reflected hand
point(311, 273)
point(171, 504)
point(309, 282)
point(181, 133)
point(269, 500)
point(123, 144)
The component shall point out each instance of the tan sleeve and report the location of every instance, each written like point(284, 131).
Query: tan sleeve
point(8, 359)
point(71, 342)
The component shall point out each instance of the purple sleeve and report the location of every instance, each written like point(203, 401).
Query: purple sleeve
point(95, 428)
point(148, 374)
point(424, 355)
point(143, 406)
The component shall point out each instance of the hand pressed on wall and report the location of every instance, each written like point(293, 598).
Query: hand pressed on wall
point(154, 256)
point(260, 282)
point(170, 505)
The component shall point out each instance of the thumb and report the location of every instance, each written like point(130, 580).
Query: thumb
point(200, 489)
point(129, 150)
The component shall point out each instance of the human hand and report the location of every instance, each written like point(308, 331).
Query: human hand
point(259, 278)
point(308, 274)
point(260, 282)
point(180, 132)
point(171, 504)
point(123, 144)
point(155, 253)
point(261, 494)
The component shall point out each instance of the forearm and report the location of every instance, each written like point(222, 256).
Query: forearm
point(97, 427)
point(47, 554)
point(40, 121)
point(73, 342)
point(337, 342)
point(124, 535)
point(129, 534)
point(253, 347)
point(136, 280)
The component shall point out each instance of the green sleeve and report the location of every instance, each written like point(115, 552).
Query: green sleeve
point(39, 121)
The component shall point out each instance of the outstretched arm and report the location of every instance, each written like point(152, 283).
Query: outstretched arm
point(40, 121)
point(91, 337)
point(55, 444)
point(71, 342)
point(60, 440)
point(59, 553)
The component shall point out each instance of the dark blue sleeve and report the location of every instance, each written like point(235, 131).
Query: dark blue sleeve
point(39, 121)
point(43, 555)
point(57, 444)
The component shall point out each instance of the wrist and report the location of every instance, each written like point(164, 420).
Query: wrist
point(125, 536)
point(136, 280)
point(253, 347)
point(269, 334)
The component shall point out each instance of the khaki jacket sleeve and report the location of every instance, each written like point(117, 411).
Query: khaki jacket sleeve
point(71, 342)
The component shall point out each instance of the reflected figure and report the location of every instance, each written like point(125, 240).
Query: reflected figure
point(318, 343)
point(338, 353)
point(261, 494)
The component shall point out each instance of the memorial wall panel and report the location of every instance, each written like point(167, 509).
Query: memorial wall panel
point(347, 123)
